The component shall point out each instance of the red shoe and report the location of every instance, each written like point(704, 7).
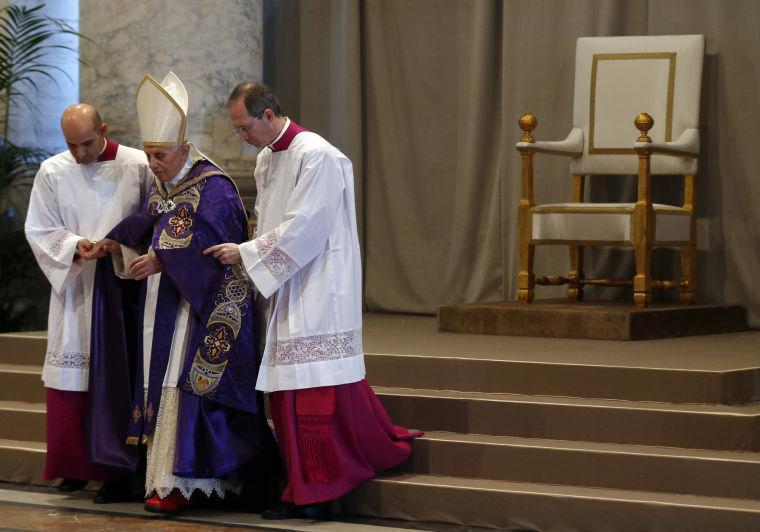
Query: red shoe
point(172, 504)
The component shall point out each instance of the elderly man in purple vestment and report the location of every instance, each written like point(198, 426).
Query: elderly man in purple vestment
point(195, 406)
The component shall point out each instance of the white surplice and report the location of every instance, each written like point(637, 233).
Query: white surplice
point(70, 202)
point(306, 260)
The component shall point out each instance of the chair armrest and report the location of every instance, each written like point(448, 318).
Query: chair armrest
point(572, 146)
point(687, 145)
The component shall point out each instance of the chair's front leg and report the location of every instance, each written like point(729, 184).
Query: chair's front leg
point(575, 288)
point(643, 218)
point(526, 279)
point(688, 293)
point(642, 282)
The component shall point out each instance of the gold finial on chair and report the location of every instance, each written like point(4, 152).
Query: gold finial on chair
point(528, 123)
point(644, 123)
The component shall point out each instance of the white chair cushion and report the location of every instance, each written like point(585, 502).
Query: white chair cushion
point(605, 223)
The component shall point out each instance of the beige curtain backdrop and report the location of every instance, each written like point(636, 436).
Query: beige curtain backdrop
point(424, 97)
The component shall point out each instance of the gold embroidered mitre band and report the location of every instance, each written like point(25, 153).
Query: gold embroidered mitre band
point(162, 110)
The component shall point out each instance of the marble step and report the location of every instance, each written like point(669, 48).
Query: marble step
point(23, 348)
point(23, 462)
point(21, 383)
point(22, 421)
point(687, 381)
point(532, 506)
point(571, 379)
point(604, 465)
point(718, 427)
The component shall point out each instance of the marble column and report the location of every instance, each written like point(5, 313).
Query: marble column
point(210, 45)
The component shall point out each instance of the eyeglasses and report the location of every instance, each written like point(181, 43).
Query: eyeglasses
point(243, 130)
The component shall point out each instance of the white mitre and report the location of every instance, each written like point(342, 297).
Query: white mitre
point(162, 111)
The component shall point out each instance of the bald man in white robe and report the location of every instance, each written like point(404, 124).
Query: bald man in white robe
point(78, 196)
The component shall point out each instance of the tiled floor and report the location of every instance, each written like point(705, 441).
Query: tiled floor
point(27, 517)
point(30, 508)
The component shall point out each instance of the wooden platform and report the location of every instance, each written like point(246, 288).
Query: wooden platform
point(593, 320)
point(521, 432)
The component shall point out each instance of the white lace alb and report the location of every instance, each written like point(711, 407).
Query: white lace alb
point(158, 474)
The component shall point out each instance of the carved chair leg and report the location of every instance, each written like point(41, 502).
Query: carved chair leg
point(575, 291)
point(642, 282)
point(526, 280)
point(688, 275)
point(643, 217)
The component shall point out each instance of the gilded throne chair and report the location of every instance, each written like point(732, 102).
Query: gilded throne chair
point(652, 83)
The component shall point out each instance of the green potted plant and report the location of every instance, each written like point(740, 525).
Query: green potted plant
point(26, 49)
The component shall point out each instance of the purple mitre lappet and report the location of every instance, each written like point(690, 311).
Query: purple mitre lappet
point(196, 364)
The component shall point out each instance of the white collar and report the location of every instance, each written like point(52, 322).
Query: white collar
point(180, 175)
point(282, 132)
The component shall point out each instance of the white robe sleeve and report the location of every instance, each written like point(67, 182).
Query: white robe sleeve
point(256, 214)
point(122, 260)
point(52, 243)
point(273, 257)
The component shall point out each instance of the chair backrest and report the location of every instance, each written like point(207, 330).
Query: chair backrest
point(616, 78)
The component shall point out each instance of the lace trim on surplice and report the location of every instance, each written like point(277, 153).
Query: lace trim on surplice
point(67, 359)
point(57, 245)
point(316, 348)
point(280, 265)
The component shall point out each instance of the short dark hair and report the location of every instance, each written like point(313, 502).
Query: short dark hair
point(257, 97)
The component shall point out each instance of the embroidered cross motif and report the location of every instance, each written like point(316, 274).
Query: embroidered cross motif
point(217, 343)
point(180, 222)
point(136, 414)
point(149, 413)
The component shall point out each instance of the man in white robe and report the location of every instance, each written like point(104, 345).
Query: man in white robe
point(306, 264)
point(78, 195)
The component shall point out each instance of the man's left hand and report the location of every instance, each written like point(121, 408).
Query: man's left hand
point(225, 253)
point(144, 266)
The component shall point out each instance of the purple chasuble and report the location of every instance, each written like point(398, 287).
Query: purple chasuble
point(221, 424)
point(111, 378)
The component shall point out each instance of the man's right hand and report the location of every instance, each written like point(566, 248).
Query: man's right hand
point(84, 249)
point(228, 253)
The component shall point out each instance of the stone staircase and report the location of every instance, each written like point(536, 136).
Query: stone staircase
point(22, 408)
point(529, 433)
point(544, 434)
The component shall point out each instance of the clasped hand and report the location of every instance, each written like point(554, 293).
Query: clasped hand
point(142, 267)
point(90, 250)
